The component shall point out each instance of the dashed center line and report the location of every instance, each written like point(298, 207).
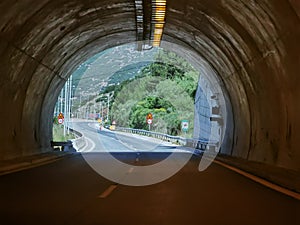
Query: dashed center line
point(108, 191)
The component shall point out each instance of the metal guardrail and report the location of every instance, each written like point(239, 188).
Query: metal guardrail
point(200, 144)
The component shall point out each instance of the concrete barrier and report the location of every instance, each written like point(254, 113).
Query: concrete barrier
point(79, 142)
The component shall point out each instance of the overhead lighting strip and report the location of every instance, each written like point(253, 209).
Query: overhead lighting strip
point(150, 21)
point(158, 21)
point(139, 23)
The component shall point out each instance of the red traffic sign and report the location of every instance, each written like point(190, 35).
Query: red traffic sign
point(149, 118)
point(60, 118)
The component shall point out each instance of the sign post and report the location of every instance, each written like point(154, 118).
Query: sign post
point(149, 119)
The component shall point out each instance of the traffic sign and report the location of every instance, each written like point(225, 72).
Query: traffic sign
point(60, 118)
point(149, 118)
point(185, 125)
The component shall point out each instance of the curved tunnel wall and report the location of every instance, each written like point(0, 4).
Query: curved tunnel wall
point(252, 45)
point(249, 45)
point(215, 85)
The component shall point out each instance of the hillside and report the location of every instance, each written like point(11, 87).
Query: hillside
point(109, 67)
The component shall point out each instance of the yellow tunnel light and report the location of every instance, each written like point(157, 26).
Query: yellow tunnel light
point(158, 31)
point(160, 8)
point(159, 26)
point(160, 2)
point(158, 18)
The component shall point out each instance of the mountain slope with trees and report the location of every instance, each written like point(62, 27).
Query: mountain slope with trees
point(166, 88)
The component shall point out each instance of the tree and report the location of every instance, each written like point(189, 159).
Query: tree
point(162, 111)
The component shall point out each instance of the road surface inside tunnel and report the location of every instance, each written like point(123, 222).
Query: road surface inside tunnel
point(70, 192)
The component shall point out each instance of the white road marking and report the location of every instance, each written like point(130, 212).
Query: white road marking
point(127, 145)
point(261, 181)
point(108, 191)
point(86, 149)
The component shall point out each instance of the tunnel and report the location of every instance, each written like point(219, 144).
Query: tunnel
point(250, 48)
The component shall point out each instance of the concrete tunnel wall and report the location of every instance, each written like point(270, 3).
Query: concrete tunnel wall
point(253, 46)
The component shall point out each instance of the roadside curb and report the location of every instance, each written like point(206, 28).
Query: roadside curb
point(260, 180)
point(15, 165)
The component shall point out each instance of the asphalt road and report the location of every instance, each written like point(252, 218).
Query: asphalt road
point(106, 140)
point(144, 149)
point(69, 191)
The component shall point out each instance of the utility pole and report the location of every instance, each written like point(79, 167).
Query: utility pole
point(67, 91)
point(65, 107)
point(67, 104)
point(94, 107)
point(80, 111)
point(107, 106)
point(69, 101)
point(61, 100)
point(102, 111)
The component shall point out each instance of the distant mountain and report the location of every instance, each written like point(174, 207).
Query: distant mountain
point(109, 67)
point(128, 72)
point(78, 73)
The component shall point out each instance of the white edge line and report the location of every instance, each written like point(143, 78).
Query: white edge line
point(85, 147)
point(261, 181)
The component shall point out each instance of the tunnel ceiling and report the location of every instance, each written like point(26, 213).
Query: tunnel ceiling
point(253, 46)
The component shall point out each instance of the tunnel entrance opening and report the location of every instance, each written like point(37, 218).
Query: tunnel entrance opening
point(251, 46)
point(113, 93)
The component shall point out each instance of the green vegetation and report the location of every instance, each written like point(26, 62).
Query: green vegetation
point(166, 88)
point(170, 66)
point(58, 132)
point(127, 73)
point(161, 108)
